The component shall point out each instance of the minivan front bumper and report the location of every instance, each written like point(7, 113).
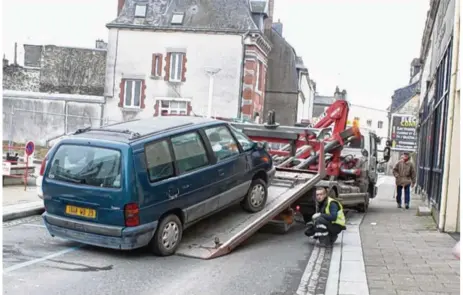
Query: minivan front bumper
point(107, 236)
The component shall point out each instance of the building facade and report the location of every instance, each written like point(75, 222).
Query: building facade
point(289, 90)
point(439, 114)
point(161, 55)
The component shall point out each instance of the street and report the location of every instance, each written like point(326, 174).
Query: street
point(267, 264)
point(36, 263)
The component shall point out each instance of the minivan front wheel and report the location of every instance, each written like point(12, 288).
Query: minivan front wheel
point(168, 236)
point(256, 198)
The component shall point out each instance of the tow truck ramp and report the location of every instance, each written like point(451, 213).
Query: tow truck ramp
point(219, 235)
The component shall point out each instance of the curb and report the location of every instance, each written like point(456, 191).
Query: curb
point(23, 213)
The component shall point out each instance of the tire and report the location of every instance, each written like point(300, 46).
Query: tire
point(170, 225)
point(256, 198)
point(363, 208)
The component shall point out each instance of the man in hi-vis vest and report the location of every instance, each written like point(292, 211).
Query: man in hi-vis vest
point(329, 221)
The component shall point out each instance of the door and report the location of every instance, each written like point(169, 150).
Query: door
point(196, 176)
point(373, 161)
point(157, 178)
point(231, 164)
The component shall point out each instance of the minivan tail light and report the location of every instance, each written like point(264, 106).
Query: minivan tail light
point(43, 165)
point(131, 213)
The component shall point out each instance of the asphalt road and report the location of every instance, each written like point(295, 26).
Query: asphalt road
point(35, 263)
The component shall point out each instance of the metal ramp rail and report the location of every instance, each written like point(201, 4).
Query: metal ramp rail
point(219, 235)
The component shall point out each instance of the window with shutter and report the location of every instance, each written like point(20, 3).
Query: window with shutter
point(176, 67)
point(156, 65)
point(132, 93)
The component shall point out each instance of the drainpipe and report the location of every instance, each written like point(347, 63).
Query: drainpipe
point(450, 121)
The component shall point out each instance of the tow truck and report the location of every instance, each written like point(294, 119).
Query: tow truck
point(304, 157)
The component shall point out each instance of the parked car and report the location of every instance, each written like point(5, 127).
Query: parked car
point(142, 182)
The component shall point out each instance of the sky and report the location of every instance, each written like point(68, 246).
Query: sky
point(364, 46)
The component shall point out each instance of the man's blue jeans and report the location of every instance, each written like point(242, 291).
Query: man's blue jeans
point(407, 194)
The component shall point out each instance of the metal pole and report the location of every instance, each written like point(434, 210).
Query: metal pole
point(10, 140)
point(65, 117)
point(211, 72)
point(209, 101)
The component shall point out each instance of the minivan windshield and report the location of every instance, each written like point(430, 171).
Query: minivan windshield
point(86, 165)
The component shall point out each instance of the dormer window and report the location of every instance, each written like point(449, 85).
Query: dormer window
point(140, 10)
point(177, 18)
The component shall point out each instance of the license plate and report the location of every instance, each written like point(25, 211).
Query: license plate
point(78, 211)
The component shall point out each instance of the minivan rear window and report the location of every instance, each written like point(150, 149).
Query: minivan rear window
point(86, 165)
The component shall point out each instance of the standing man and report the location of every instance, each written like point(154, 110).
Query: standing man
point(405, 175)
point(329, 221)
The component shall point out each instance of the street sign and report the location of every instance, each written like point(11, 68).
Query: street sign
point(403, 132)
point(30, 148)
point(6, 168)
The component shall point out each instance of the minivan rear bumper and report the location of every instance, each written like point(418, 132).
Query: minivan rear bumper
point(107, 236)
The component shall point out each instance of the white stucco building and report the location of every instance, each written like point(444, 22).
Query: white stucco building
point(305, 98)
point(160, 54)
point(370, 118)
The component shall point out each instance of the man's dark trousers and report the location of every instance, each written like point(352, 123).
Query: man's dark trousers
point(407, 194)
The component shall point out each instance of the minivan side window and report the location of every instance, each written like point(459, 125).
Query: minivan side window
point(245, 142)
point(222, 142)
point(159, 160)
point(189, 151)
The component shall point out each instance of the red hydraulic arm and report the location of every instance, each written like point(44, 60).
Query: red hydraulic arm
point(336, 113)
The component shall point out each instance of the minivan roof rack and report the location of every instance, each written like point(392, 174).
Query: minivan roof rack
point(124, 131)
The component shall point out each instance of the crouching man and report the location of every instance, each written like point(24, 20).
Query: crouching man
point(329, 221)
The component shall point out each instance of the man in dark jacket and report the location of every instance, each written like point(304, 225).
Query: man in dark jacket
point(405, 176)
point(329, 220)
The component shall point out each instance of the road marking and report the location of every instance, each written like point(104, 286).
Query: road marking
point(34, 225)
point(316, 258)
point(34, 261)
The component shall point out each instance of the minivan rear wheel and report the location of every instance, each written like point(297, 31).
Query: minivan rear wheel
point(256, 198)
point(167, 236)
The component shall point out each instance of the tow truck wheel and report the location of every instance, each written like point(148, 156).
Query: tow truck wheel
point(363, 208)
point(256, 197)
point(167, 237)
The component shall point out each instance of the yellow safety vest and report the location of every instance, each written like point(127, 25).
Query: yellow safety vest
point(340, 219)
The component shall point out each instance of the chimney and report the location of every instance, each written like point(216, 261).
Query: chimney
point(278, 27)
point(120, 5)
point(100, 44)
point(269, 20)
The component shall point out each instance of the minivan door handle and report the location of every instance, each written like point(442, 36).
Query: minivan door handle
point(221, 172)
point(173, 193)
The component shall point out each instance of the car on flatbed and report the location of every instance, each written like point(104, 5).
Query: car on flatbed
point(142, 182)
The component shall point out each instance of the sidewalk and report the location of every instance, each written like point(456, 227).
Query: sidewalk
point(404, 253)
point(393, 251)
point(18, 203)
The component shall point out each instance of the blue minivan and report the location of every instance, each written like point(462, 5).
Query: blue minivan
point(142, 182)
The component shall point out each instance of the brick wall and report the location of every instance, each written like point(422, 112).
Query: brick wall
point(255, 71)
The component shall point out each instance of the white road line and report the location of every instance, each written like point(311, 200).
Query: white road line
point(32, 262)
point(34, 225)
point(302, 289)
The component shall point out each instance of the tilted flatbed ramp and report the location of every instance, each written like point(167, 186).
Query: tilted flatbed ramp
point(221, 233)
